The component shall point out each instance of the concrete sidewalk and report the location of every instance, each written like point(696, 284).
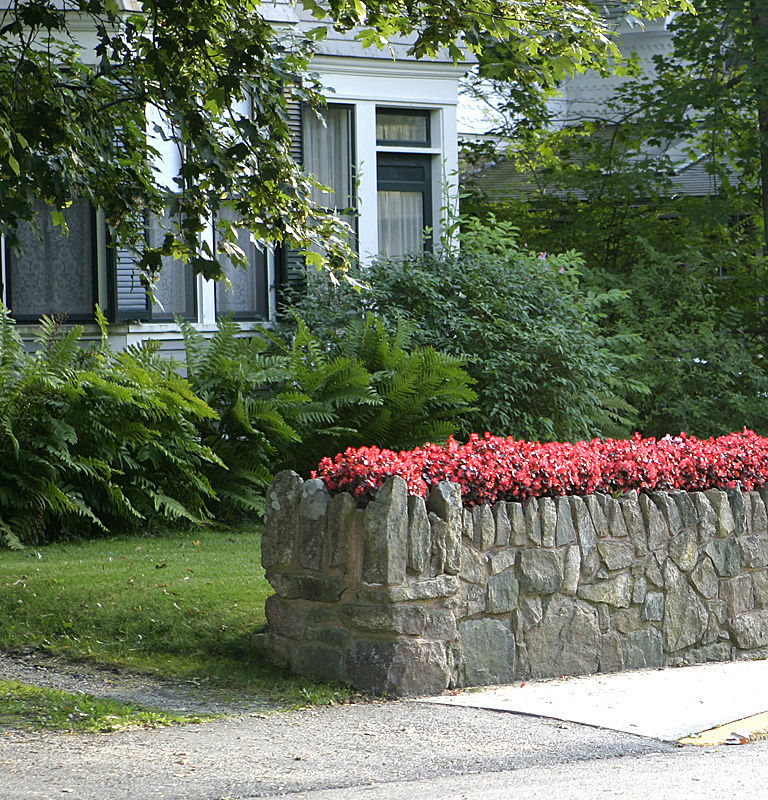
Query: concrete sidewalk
point(666, 704)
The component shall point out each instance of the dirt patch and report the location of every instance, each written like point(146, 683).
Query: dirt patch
point(38, 669)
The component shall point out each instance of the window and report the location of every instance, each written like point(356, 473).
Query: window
point(328, 155)
point(52, 273)
point(246, 296)
point(175, 289)
point(405, 203)
point(395, 126)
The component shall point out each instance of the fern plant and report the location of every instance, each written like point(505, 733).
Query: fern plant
point(236, 376)
point(378, 389)
point(93, 441)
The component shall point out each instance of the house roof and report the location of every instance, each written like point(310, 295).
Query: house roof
point(504, 180)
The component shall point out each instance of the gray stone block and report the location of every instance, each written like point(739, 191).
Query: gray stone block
point(711, 652)
point(633, 519)
point(725, 555)
point(599, 520)
point(719, 609)
point(471, 600)
point(385, 534)
point(707, 525)
point(503, 525)
point(393, 618)
point(616, 555)
point(484, 535)
point(571, 570)
point(737, 595)
point(724, 522)
point(614, 515)
point(419, 535)
point(488, 648)
point(548, 517)
point(684, 550)
point(473, 565)
point(615, 591)
point(565, 620)
point(759, 514)
point(689, 515)
point(531, 611)
point(281, 521)
point(319, 661)
point(704, 578)
point(652, 571)
point(312, 510)
point(565, 531)
point(741, 512)
point(502, 560)
point(516, 516)
point(467, 525)
point(611, 657)
point(284, 618)
point(445, 501)
point(438, 536)
point(340, 515)
point(532, 520)
point(653, 608)
point(441, 625)
point(639, 589)
point(308, 587)
point(442, 587)
point(626, 620)
point(750, 630)
point(540, 571)
point(401, 668)
point(669, 511)
point(655, 524)
point(643, 649)
point(754, 551)
point(685, 616)
point(760, 588)
point(587, 538)
point(503, 590)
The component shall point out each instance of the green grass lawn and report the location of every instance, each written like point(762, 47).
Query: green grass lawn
point(181, 606)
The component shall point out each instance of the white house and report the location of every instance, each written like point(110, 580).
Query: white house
point(387, 147)
point(586, 96)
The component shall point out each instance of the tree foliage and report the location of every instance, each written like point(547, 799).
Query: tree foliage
point(211, 79)
point(694, 268)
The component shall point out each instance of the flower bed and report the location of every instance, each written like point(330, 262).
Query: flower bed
point(492, 468)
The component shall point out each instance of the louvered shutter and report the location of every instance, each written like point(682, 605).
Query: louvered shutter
point(130, 300)
point(292, 268)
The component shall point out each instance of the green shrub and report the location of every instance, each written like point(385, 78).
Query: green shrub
point(519, 320)
point(94, 441)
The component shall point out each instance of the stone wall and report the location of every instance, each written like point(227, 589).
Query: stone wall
point(408, 597)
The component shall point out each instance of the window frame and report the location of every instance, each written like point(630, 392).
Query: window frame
point(395, 160)
point(6, 279)
point(392, 111)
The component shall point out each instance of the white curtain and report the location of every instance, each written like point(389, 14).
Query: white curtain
point(401, 223)
point(328, 156)
point(54, 273)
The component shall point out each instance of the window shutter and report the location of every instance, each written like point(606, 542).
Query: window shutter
point(292, 268)
point(130, 299)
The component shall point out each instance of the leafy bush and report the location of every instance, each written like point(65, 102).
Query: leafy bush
point(284, 401)
point(490, 468)
point(94, 441)
point(693, 269)
point(526, 330)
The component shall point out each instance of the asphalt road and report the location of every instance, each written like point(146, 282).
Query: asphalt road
point(374, 751)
